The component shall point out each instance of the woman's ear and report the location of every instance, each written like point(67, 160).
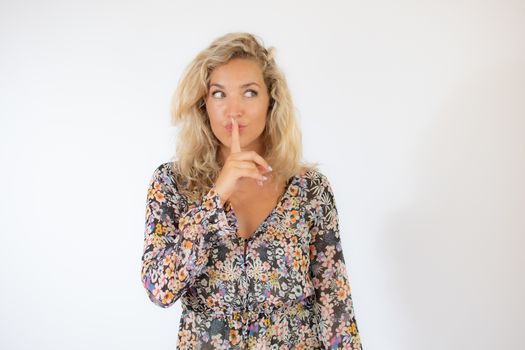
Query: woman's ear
point(202, 104)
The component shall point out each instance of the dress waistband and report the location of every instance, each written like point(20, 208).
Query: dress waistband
point(289, 309)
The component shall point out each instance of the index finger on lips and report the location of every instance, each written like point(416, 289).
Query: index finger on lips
point(236, 143)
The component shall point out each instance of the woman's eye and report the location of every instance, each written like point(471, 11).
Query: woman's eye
point(214, 94)
point(253, 91)
point(220, 94)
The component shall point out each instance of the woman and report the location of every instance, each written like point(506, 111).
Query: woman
point(238, 228)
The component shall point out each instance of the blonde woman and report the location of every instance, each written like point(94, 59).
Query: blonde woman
point(238, 227)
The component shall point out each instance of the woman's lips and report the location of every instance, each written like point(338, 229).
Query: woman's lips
point(229, 127)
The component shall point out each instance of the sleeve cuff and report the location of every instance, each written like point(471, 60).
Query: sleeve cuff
point(217, 225)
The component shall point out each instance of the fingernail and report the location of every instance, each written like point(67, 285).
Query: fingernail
point(264, 178)
point(270, 168)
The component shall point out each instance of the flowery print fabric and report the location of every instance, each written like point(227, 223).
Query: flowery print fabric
point(285, 287)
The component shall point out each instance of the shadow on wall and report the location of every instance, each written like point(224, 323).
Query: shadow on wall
point(456, 254)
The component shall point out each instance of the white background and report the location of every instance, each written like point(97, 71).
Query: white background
point(415, 109)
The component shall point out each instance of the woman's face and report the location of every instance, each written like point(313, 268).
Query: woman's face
point(237, 90)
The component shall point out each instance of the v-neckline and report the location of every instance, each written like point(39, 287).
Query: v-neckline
point(263, 224)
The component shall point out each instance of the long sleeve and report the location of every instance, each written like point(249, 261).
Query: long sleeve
point(177, 243)
point(334, 311)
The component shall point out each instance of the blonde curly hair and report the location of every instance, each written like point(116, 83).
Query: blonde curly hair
point(198, 163)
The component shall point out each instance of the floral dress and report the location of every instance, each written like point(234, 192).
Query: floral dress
point(285, 287)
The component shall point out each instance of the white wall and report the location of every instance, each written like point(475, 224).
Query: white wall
point(416, 110)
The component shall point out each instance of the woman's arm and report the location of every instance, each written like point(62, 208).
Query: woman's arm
point(176, 243)
point(334, 309)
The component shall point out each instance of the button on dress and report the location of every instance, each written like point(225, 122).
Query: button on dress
point(285, 287)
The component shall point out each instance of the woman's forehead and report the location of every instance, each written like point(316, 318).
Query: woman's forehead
point(238, 72)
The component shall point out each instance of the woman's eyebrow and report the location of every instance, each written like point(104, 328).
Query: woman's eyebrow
point(242, 86)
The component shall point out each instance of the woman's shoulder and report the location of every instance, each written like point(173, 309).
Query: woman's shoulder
point(165, 169)
point(166, 174)
point(314, 176)
point(317, 184)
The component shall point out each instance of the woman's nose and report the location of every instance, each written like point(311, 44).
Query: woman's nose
point(234, 106)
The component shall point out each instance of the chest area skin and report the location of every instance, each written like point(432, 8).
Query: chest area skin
point(253, 204)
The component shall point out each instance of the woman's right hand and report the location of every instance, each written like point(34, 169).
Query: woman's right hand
point(237, 165)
